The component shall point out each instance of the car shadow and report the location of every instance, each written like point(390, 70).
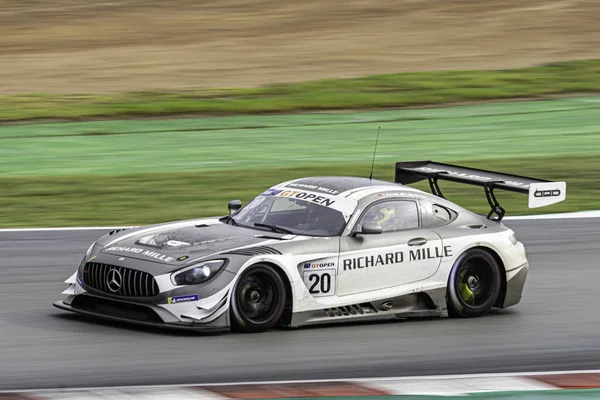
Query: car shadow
point(168, 331)
point(83, 320)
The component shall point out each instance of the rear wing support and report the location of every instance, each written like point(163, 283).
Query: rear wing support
point(541, 192)
point(435, 187)
point(496, 207)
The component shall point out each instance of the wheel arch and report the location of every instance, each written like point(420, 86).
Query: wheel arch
point(286, 318)
point(491, 252)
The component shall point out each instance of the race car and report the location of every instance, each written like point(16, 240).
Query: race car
point(316, 250)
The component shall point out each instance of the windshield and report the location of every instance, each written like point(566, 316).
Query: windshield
point(302, 213)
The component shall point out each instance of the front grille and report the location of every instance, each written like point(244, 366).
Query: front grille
point(125, 281)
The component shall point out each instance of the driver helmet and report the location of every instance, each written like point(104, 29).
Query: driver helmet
point(384, 215)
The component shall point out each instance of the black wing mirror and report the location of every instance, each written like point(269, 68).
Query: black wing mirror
point(233, 206)
point(369, 229)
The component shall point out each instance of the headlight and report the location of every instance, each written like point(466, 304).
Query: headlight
point(197, 273)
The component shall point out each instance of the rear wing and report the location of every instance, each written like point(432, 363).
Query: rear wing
point(541, 192)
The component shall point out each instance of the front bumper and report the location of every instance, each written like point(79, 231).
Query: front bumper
point(515, 283)
point(137, 314)
point(203, 308)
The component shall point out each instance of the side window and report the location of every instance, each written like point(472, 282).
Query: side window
point(441, 213)
point(393, 215)
point(435, 215)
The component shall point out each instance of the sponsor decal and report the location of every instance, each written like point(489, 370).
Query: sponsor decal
point(402, 194)
point(272, 192)
point(546, 193)
point(312, 197)
point(429, 253)
point(79, 280)
point(314, 188)
point(137, 250)
point(157, 256)
point(472, 176)
point(182, 258)
point(319, 265)
point(397, 257)
point(181, 299)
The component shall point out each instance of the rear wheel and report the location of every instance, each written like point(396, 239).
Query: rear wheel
point(474, 284)
point(258, 299)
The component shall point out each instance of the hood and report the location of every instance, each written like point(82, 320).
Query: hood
point(174, 244)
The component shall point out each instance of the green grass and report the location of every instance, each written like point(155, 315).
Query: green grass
point(378, 91)
point(567, 127)
point(147, 171)
point(155, 197)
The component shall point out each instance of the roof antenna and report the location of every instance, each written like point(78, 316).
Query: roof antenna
point(374, 151)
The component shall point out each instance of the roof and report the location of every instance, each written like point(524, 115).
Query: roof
point(335, 185)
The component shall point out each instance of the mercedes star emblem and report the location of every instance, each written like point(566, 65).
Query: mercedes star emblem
point(114, 280)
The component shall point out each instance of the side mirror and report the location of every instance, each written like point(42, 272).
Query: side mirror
point(233, 206)
point(369, 229)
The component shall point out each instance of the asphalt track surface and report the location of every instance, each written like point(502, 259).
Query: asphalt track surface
point(556, 327)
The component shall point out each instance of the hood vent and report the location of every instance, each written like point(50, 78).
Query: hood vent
point(254, 251)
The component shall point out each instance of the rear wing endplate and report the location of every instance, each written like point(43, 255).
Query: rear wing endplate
point(541, 192)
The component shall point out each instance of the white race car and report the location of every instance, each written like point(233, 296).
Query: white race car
point(316, 250)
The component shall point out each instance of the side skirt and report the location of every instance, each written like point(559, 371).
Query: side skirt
point(414, 305)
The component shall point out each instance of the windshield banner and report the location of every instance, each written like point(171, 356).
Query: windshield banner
point(341, 204)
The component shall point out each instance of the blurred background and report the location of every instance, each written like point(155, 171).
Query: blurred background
point(75, 46)
point(118, 113)
point(127, 100)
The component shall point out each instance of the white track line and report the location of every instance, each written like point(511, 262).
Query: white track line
point(305, 381)
point(572, 215)
point(75, 228)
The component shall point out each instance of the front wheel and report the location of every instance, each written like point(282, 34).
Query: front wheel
point(258, 299)
point(474, 284)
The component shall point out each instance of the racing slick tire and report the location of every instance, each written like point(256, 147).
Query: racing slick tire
point(258, 299)
point(474, 284)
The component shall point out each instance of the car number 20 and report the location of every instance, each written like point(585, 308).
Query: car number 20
point(320, 282)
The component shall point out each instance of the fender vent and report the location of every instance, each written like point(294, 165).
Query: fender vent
point(117, 231)
point(476, 226)
point(254, 251)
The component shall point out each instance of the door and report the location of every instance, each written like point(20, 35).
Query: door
point(401, 254)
